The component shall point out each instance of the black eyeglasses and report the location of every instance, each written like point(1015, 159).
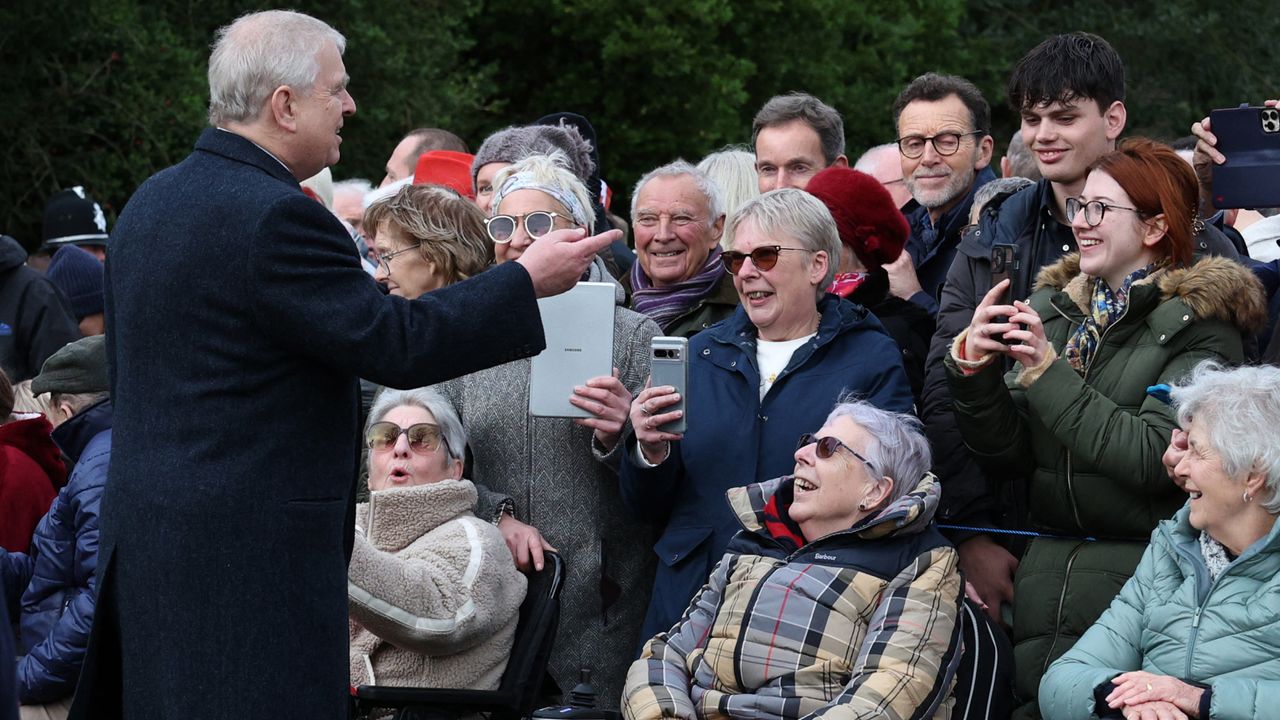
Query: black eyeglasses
point(385, 260)
point(764, 258)
point(912, 146)
point(502, 227)
point(1094, 210)
point(423, 437)
point(827, 447)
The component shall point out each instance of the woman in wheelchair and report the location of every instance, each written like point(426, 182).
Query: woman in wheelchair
point(433, 592)
point(837, 591)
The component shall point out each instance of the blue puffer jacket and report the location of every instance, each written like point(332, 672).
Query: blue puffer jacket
point(56, 577)
point(1170, 619)
point(735, 438)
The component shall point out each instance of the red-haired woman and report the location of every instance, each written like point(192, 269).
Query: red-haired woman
point(1073, 417)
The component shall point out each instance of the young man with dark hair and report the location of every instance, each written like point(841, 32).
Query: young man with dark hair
point(1069, 91)
point(944, 148)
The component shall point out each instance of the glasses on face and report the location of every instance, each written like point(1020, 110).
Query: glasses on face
point(536, 224)
point(764, 258)
point(385, 260)
point(423, 437)
point(827, 447)
point(912, 146)
point(1094, 210)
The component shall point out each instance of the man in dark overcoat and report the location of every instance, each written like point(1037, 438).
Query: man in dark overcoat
point(238, 321)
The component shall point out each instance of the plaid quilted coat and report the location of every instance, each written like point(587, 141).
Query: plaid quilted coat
point(861, 623)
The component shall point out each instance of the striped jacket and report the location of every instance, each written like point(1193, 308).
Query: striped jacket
point(861, 623)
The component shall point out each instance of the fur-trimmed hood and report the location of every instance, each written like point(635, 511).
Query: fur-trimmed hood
point(1214, 288)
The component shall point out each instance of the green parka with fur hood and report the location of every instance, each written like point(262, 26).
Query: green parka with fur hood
point(1090, 445)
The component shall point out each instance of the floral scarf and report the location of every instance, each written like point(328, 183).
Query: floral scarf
point(665, 304)
point(844, 284)
point(1105, 308)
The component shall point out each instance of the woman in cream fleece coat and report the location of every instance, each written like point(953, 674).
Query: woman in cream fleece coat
point(433, 591)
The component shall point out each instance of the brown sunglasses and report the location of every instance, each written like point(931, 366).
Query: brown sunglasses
point(764, 258)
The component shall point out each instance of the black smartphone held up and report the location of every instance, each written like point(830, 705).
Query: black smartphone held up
point(1249, 137)
point(1004, 261)
point(669, 365)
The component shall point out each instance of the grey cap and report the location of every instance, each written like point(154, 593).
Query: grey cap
point(79, 367)
point(513, 144)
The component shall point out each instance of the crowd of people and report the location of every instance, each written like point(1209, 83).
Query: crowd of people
point(1042, 403)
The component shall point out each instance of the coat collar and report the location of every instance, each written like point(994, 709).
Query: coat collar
point(393, 519)
point(1213, 288)
point(241, 149)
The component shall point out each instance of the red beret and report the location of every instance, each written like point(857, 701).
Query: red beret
point(866, 218)
point(448, 168)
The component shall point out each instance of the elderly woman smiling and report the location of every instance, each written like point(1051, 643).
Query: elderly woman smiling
point(837, 595)
point(433, 591)
point(1194, 633)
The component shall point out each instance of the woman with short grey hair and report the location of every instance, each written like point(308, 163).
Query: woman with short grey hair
point(1192, 633)
point(433, 592)
point(773, 366)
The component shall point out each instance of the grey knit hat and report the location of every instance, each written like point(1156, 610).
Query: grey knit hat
point(518, 142)
point(79, 367)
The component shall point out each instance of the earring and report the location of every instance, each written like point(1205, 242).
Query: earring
point(1247, 496)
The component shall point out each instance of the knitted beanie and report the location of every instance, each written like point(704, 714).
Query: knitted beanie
point(866, 217)
point(516, 143)
point(78, 274)
point(448, 168)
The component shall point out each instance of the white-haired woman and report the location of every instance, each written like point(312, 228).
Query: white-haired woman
point(773, 366)
point(559, 475)
point(433, 592)
point(1193, 634)
point(733, 170)
point(837, 597)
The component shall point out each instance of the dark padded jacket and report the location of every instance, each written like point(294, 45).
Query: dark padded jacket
point(35, 318)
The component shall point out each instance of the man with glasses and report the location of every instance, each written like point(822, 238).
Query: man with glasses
point(944, 149)
point(794, 136)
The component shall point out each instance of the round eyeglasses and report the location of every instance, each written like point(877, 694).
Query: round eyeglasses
point(1094, 210)
point(912, 146)
point(501, 228)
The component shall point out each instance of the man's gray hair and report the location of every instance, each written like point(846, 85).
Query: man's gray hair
point(708, 187)
point(1010, 185)
point(455, 436)
point(1240, 410)
point(79, 402)
point(825, 121)
point(1021, 162)
point(258, 53)
point(795, 214)
point(872, 158)
point(896, 445)
point(358, 185)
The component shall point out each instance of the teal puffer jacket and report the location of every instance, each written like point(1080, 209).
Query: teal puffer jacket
point(1169, 619)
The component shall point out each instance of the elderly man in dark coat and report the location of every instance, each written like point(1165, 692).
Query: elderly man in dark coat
point(238, 320)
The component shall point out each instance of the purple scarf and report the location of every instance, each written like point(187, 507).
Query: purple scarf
point(665, 304)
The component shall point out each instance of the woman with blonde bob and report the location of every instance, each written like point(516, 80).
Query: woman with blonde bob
point(1193, 632)
point(426, 237)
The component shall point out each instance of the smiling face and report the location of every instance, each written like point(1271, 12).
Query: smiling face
point(400, 466)
point(834, 493)
point(1122, 242)
point(1066, 138)
point(674, 233)
point(1216, 499)
point(409, 274)
point(521, 203)
point(788, 156)
point(318, 115)
point(782, 301)
point(939, 181)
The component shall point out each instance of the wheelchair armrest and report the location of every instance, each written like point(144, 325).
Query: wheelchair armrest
point(460, 698)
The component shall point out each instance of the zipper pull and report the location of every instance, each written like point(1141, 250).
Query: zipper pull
point(1195, 619)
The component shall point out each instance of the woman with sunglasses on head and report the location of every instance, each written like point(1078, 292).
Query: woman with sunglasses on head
point(837, 596)
point(560, 474)
point(433, 592)
point(1132, 309)
point(771, 368)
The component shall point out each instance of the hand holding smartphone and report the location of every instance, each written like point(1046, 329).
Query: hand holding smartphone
point(1249, 139)
point(669, 365)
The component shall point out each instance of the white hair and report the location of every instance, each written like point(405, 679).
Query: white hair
point(874, 156)
point(795, 214)
point(552, 171)
point(1240, 410)
point(455, 435)
point(896, 445)
point(354, 185)
point(708, 187)
point(258, 53)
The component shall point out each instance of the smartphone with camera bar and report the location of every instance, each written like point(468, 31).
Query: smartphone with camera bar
point(1003, 263)
point(669, 365)
point(1249, 137)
